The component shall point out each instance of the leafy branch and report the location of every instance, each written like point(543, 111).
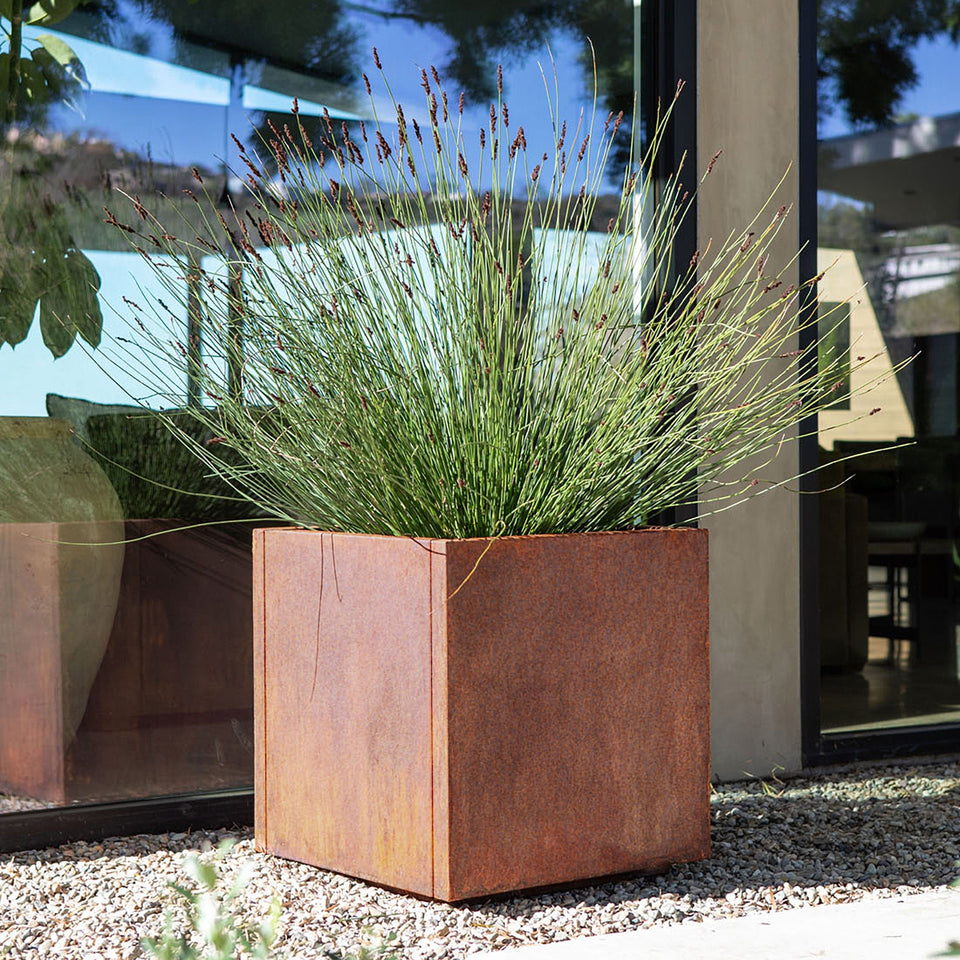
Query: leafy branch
point(40, 264)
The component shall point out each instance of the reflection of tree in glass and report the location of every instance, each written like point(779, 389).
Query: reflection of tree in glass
point(484, 34)
point(866, 61)
point(33, 77)
point(39, 261)
point(507, 31)
point(845, 226)
point(307, 35)
point(317, 38)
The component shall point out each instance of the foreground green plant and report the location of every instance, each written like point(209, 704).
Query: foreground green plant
point(380, 946)
point(413, 334)
point(953, 947)
point(214, 929)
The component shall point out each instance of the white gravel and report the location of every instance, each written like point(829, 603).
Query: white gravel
point(866, 833)
point(20, 804)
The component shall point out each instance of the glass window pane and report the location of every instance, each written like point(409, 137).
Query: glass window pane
point(889, 237)
point(125, 656)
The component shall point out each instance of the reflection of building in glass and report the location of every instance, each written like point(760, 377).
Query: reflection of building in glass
point(890, 218)
point(908, 173)
point(923, 268)
point(921, 289)
point(903, 189)
point(896, 206)
point(843, 275)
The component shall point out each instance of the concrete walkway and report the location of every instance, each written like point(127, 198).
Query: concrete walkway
point(899, 928)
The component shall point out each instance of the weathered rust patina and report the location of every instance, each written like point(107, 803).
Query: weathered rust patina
point(459, 718)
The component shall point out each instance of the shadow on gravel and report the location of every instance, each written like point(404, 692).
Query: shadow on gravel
point(129, 846)
point(830, 832)
point(761, 841)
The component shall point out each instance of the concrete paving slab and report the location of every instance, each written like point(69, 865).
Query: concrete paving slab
point(913, 927)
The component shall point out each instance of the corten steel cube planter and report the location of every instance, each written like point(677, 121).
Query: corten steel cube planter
point(458, 718)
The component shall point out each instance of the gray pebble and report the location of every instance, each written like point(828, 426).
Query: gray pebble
point(845, 835)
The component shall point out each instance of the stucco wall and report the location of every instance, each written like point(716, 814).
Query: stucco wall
point(748, 96)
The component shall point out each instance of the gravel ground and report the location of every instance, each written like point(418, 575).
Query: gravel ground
point(863, 833)
point(10, 804)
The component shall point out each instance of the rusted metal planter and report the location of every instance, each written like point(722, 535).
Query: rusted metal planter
point(459, 718)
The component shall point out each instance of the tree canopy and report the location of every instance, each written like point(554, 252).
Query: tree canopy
point(867, 53)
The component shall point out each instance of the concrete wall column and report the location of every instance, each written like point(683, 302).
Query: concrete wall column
point(748, 107)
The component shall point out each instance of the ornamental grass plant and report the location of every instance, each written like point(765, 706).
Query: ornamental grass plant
point(408, 330)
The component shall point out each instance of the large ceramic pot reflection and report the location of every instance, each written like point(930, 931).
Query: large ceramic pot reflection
point(61, 558)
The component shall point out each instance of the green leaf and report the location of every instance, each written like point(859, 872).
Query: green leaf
point(19, 294)
point(33, 84)
point(60, 51)
point(61, 68)
point(62, 76)
point(69, 304)
point(49, 12)
point(27, 90)
point(53, 10)
point(85, 286)
point(44, 12)
point(58, 334)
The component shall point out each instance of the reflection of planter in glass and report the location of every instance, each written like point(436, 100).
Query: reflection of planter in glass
point(171, 710)
point(158, 719)
point(50, 493)
point(153, 473)
point(459, 728)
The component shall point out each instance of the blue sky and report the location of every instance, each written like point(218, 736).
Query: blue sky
point(181, 112)
point(938, 92)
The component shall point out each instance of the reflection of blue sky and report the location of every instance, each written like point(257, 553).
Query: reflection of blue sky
point(182, 116)
point(406, 48)
point(256, 98)
point(938, 63)
point(937, 93)
point(119, 71)
point(134, 75)
point(166, 131)
point(29, 372)
point(126, 97)
point(137, 100)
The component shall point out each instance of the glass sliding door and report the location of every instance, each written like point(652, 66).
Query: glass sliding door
point(889, 238)
point(125, 583)
point(125, 573)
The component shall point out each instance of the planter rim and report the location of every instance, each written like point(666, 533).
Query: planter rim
point(684, 531)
